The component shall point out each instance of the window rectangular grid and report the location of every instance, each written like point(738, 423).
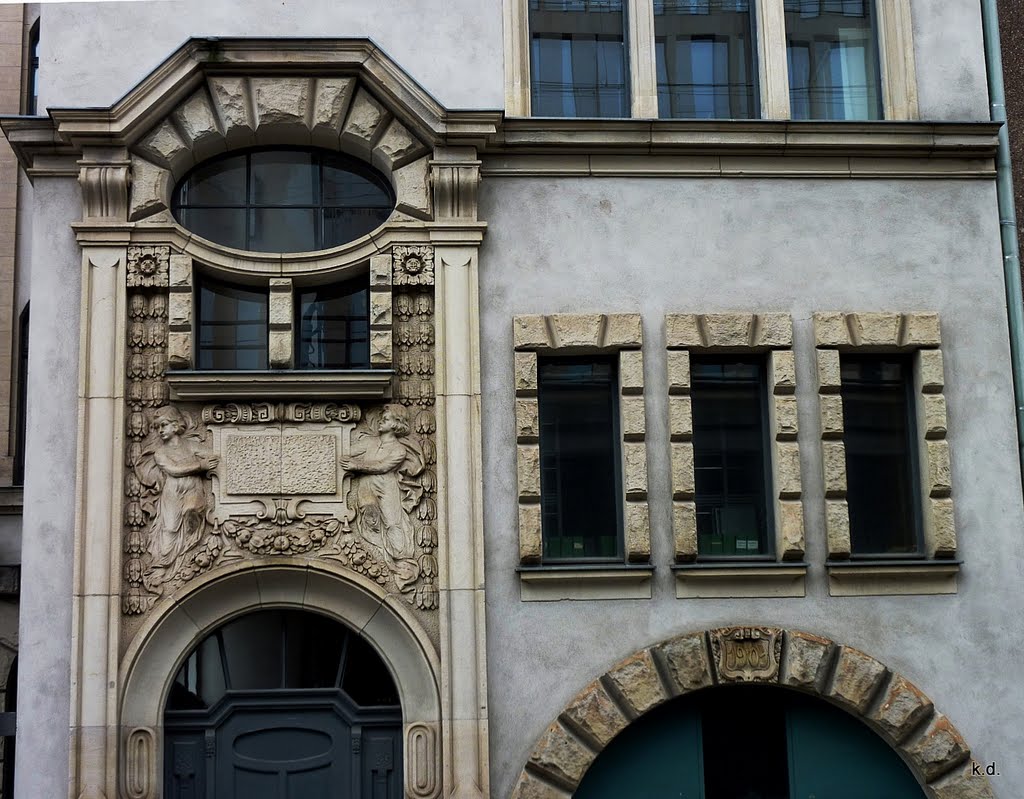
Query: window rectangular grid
point(232, 326)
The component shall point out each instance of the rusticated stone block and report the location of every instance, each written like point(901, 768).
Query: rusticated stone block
point(149, 190)
point(179, 350)
point(682, 331)
point(364, 117)
point(561, 755)
point(791, 530)
point(623, 330)
point(636, 678)
point(932, 374)
point(682, 471)
point(921, 330)
point(380, 309)
point(963, 783)
point(788, 460)
point(939, 749)
point(729, 329)
point(179, 309)
point(180, 272)
point(530, 542)
point(529, 471)
point(638, 533)
point(829, 374)
point(775, 330)
point(785, 418)
point(396, 147)
point(807, 661)
point(380, 347)
point(684, 531)
point(331, 97)
point(830, 329)
point(530, 787)
point(527, 420)
point(680, 418)
point(576, 330)
point(231, 97)
point(530, 333)
point(783, 372)
point(280, 348)
point(902, 709)
point(280, 101)
point(831, 416)
point(634, 424)
point(412, 185)
point(940, 480)
point(197, 121)
point(635, 468)
point(837, 527)
point(165, 147)
point(595, 716)
point(686, 663)
point(943, 528)
point(631, 372)
point(857, 677)
point(380, 271)
point(280, 312)
point(833, 459)
point(526, 373)
point(876, 329)
point(678, 372)
point(934, 408)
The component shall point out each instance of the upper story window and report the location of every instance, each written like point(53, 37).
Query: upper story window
point(283, 200)
point(332, 328)
point(31, 87)
point(232, 326)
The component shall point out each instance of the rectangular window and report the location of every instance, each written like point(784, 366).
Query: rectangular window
point(705, 59)
point(578, 58)
point(730, 448)
point(232, 326)
point(581, 486)
point(880, 439)
point(832, 50)
point(332, 328)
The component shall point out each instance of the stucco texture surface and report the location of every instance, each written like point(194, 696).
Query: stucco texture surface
point(657, 246)
point(950, 56)
point(92, 53)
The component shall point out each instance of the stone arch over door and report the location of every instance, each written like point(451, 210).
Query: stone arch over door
point(184, 619)
point(887, 702)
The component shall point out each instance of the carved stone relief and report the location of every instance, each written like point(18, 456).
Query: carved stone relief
point(747, 654)
point(212, 484)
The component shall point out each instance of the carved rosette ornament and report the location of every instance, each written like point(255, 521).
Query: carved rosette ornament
point(413, 265)
point(148, 267)
point(747, 654)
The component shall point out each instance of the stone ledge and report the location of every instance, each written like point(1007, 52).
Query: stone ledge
point(882, 330)
point(726, 331)
point(577, 333)
point(867, 578)
point(724, 580)
point(553, 583)
point(246, 385)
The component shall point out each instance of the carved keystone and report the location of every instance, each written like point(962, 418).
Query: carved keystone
point(746, 654)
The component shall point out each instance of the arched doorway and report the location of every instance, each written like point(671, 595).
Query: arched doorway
point(279, 704)
point(748, 742)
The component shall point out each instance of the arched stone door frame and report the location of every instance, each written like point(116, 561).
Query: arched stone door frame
point(184, 619)
point(886, 701)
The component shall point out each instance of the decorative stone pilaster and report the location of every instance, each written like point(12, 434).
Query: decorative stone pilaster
point(180, 314)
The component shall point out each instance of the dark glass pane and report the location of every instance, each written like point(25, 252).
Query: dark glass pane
point(232, 327)
point(283, 177)
point(333, 326)
point(579, 453)
point(313, 646)
point(366, 678)
point(578, 59)
point(705, 59)
point(283, 229)
point(832, 49)
point(217, 183)
point(347, 188)
point(199, 682)
point(729, 446)
point(348, 224)
point(223, 225)
point(880, 442)
point(253, 647)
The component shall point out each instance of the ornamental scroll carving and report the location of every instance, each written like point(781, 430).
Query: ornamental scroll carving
point(747, 654)
point(209, 485)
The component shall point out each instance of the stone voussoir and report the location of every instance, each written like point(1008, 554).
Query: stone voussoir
point(636, 678)
point(856, 679)
point(560, 755)
point(963, 783)
point(595, 715)
point(939, 749)
point(807, 661)
point(902, 708)
point(532, 787)
point(686, 661)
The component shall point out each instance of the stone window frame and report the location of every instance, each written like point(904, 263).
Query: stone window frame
point(770, 334)
point(898, 73)
point(618, 334)
point(917, 334)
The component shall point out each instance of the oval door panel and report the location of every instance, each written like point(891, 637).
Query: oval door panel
point(283, 744)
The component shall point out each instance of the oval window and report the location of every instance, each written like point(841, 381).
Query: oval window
point(283, 200)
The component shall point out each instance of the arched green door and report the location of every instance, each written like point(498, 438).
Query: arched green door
point(748, 742)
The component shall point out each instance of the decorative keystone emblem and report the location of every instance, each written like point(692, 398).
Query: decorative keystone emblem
point(747, 654)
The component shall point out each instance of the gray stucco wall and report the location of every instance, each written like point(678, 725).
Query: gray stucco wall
point(950, 56)
point(49, 519)
point(657, 246)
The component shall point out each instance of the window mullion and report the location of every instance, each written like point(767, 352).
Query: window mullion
point(773, 69)
point(642, 70)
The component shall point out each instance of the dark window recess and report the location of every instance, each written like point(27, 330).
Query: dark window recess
point(579, 452)
point(333, 326)
point(283, 200)
point(22, 406)
point(578, 59)
point(704, 54)
point(880, 438)
point(232, 326)
point(730, 448)
point(32, 79)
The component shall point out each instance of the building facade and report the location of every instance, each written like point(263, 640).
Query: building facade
point(515, 399)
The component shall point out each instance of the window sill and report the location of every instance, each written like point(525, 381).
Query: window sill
point(605, 581)
point(325, 384)
point(900, 578)
point(752, 579)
